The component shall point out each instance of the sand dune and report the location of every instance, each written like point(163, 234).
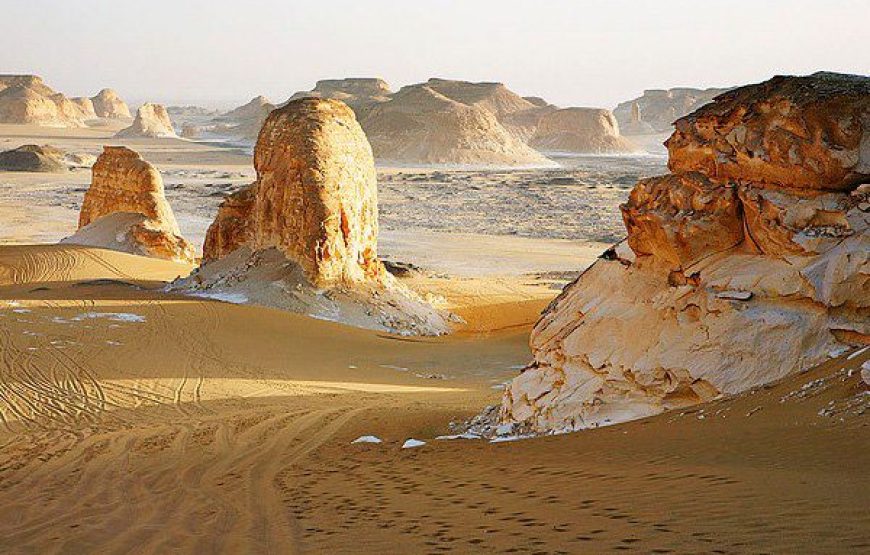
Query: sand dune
point(233, 435)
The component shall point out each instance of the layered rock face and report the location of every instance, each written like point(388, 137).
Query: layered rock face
point(781, 133)
point(580, 130)
point(152, 121)
point(659, 109)
point(309, 224)
point(724, 283)
point(33, 158)
point(25, 99)
point(125, 209)
point(107, 104)
point(421, 125)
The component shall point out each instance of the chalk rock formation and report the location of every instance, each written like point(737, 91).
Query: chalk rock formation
point(245, 121)
point(33, 158)
point(107, 104)
point(580, 130)
point(781, 132)
point(723, 284)
point(660, 108)
point(85, 106)
point(421, 125)
point(309, 224)
point(125, 209)
point(25, 99)
point(152, 121)
point(360, 93)
point(636, 124)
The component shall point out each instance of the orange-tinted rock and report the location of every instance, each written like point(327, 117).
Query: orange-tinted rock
point(808, 132)
point(125, 209)
point(681, 218)
point(315, 197)
point(230, 229)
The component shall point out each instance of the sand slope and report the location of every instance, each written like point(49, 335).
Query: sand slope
point(136, 422)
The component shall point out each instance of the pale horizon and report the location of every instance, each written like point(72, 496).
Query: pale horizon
point(221, 54)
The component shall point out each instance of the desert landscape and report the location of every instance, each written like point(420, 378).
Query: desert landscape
point(435, 317)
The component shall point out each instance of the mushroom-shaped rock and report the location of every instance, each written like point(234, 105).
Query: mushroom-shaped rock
point(125, 209)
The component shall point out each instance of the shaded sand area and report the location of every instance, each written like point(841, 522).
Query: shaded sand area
point(138, 422)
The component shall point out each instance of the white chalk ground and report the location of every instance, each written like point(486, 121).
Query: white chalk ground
point(412, 443)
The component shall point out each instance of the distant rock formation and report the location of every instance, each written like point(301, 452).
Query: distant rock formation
point(659, 109)
point(86, 106)
point(33, 158)
point(25, 99)
point(125, 209)
point(245, 121)
point(152, 121)
point(360, 93)
point(421, 125)
point(636, 125)
point(732, 276)
point(303, 237)
point(580, 130)
point(107, 104)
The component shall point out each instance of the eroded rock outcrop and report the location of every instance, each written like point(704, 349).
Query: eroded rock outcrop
point(152, 121)
point(728, 279)
point(580, 130)
point(421, 125)
point(107, 104)
point(246, 120)
point(85, 106)
point(125, 209)
point(781, 133)
point(33, 158)
point(304, 236)
point(360, 93)
point(659, 108)
point(25, 99)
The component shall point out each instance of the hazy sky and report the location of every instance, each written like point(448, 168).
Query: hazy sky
point(573, 53)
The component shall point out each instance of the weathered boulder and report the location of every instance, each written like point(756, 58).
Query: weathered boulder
point(309, 224)
point(152, 121)
point(808, 132)
point(107, 104)
point(33, 158)
point(125, 209)
point(580, 130)
point(723, 284)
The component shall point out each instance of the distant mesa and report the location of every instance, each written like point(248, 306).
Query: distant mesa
point(749, 262)
point(303, 236)
point(580, 130)
point(107, 104)
point(152, 121)
point(245, 121)
point(125, 209)
point(33, 158)
point(657, 109)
